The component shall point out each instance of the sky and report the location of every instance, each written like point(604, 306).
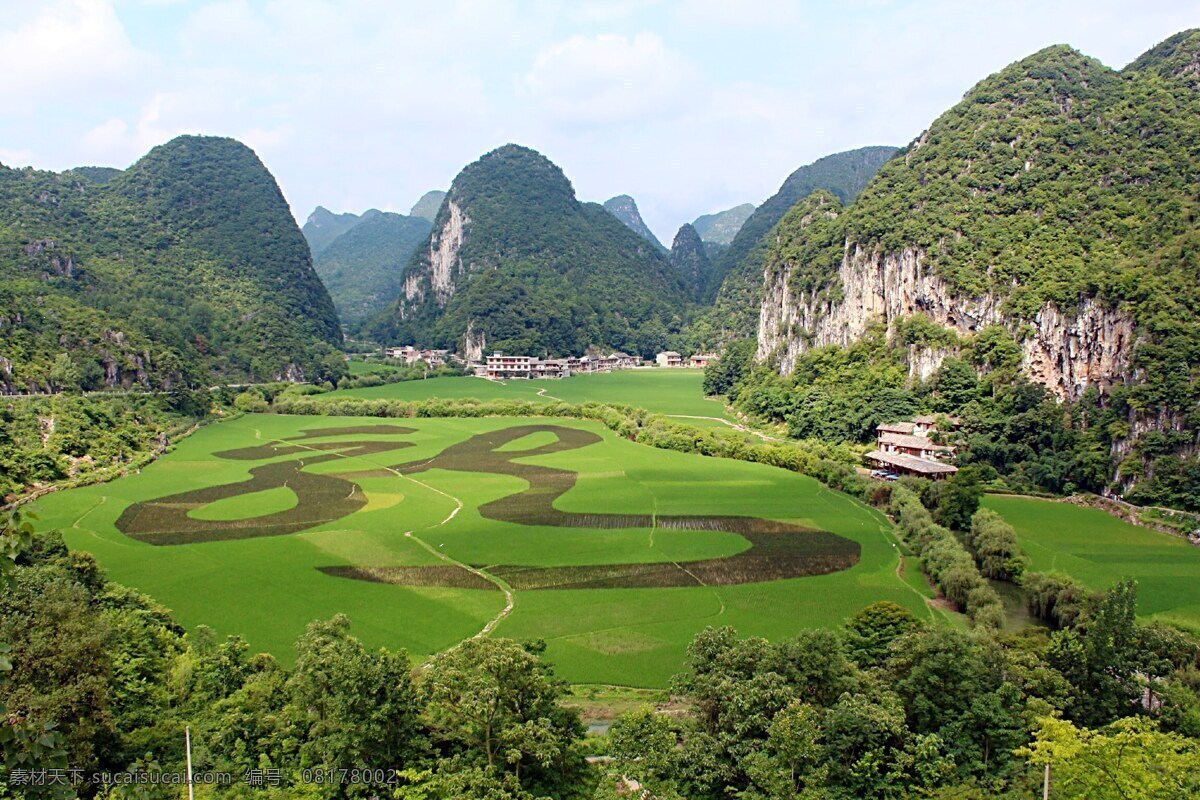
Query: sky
point(690, 106)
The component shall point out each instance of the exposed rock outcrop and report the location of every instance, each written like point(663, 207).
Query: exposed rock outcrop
point(1065, 350)
point(444, 263)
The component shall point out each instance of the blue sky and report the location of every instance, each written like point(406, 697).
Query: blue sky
point(690, 106)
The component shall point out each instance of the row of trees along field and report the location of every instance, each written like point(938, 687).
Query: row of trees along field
point(99, 677)
point(1014, 430)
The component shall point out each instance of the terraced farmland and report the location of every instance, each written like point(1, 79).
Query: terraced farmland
point(426, 531)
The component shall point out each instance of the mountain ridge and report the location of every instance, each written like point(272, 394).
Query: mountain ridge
point(624, 208)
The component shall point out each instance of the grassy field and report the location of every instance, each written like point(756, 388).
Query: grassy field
point(260, 578)
point(1098, 550)
point(665, 391)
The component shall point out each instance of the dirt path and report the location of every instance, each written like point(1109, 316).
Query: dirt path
point(736, 426)
point(509, 598)
point(542, 393)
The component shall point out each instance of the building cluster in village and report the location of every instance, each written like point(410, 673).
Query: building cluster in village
point(411, 355)
point(907, 448)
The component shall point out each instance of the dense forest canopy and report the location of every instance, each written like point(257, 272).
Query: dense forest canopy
point(361, 267)
point(187, 268)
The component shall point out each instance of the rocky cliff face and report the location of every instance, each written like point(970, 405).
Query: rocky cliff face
point(437, 280)
point(1065, 350)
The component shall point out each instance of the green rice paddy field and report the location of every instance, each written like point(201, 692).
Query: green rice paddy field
point(675, 392)
point(255, 527)
point(1098, 550)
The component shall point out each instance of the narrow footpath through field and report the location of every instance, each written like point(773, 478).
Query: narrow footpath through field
point(509, 597)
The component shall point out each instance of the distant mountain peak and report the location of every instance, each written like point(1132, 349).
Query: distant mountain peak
point(722, 226)
point(322, 226)
point(427, 207)
point(689, 259)
point(624, 208)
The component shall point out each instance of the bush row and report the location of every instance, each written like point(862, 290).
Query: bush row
point(831, 464)
point(1052, 598)
point(947, 562)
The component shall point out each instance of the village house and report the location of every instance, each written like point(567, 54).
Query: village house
point(669, 358)
point(905, 448)
point(402, 353)
point(502, 367)
point(499, 366)
point(624, 360)
point(411, 355)
point(701, 360)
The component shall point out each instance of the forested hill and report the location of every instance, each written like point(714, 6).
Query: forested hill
point(735, 277)
point(186, 268)
point(1049, 222)
point(515, 262)
point(361, 268)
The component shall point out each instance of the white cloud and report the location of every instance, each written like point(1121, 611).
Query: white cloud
point(609, 78)
point(742, 13)
point(16, 158)
point(68, 47)
point(107, 139)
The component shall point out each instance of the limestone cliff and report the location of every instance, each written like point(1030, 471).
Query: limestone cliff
point(1067, 350)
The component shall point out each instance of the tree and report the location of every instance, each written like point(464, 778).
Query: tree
point(64, 377)
point(1101, 657)
point(644, 747)
point(496, 704)
point(873, 629)
point(955, 385)
point(356, 708)
point(958, 499)
point(1129, 760)
point(730, 367)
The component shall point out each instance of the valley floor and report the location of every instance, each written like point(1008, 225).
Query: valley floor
point(267, 587)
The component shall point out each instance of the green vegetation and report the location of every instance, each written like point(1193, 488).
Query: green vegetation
point(634, 636)
point(184, 270)
point(882, 706)
point(689, 259)
point(735, 280)
point(541, 273)
point(946, 561)
point(103, 678)
point(891, 708)
point(361, 268)
point(53, 440)
point(1013, 430)
point(1055, 181)
point(1098, 550)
